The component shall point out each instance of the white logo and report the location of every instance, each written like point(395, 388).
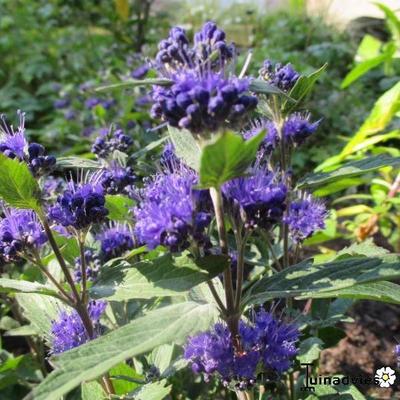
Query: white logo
point(385, 377)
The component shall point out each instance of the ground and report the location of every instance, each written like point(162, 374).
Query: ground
point(368, 346)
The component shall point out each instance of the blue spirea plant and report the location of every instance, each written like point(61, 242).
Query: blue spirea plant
point(194, 243)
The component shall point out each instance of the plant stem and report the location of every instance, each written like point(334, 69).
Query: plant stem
point(232, 319)
point(79, 305)
point(38, 262)
point(241, 246)
point(59, 256)
point(81, 243)
point(216, 297)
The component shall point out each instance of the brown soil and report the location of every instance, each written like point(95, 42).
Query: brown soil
point(368, 345)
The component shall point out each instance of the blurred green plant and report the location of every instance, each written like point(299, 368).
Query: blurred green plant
point(378, 208)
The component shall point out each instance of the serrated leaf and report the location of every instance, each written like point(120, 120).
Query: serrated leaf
point(263, 87)
point(163, 276)
point(349, 169)
point(40, 311)
point(186, 148)
point(18, 188)
point(118, 207)
point(168, 324)
point(152, 391)
point(302, 88)
point(92, 391)
point(135, 82)
point(386, 292)
point(228, 157)
point(310, 350)
point(307, 280)
point(17, 286)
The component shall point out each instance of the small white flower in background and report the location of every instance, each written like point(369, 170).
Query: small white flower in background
point(385, 376)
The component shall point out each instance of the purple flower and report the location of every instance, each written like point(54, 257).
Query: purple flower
point(69, 115)
point(92, 102)
point(109, 141)
point(68, 330)
point(282, 76)
point(397, 354)
point(115, 241)
point(271, 136)
point(140, 72)
point(258, 199)
point(52, 186)
point(203, 103)
point(80, 206)
point(209, 51)
point(202, 98)
point(14, 144)
point(298, 128)
point(210, 40)
point(117, 179)
point(266, 343)
point(20, 230)
point(93, 264)
point(170, 212)
point(305, 216)
point(61, 103)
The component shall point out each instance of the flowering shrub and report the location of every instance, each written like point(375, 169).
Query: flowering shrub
point(191, 253)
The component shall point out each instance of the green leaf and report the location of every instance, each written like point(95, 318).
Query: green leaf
point(16, 286)
point(336, 390)
point(308, 280)
point(386, 292)
point(186, 148)
point(349, 169)
point(168, 324)
point(369, 47)
point(385, 108)
point(163, 276)
point(118, 207)
point(302, 88)
point(392, 21)
point(227, 158)
point(310, 350)
point(92, 391)
point(151, 146)
point(18, 188)
point(135, 82)
point(263, 87)
point(77, 162)
point(40, 311)
point(362, 68)
point(152, 391)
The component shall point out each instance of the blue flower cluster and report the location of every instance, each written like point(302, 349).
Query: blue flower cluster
point(68, 330)
point(110, 141)
point(203, 103)
point(266, 344)
point(117, 179)
point(283, 77)
point(115, 241)
point(297, 128)
point(14, 144)
point(20, 230)
point(271, 135)
point(258, 199)
point(93, 264)
point(80, 206)
point(202, 98)
point(304, 217)
point(171, 213)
